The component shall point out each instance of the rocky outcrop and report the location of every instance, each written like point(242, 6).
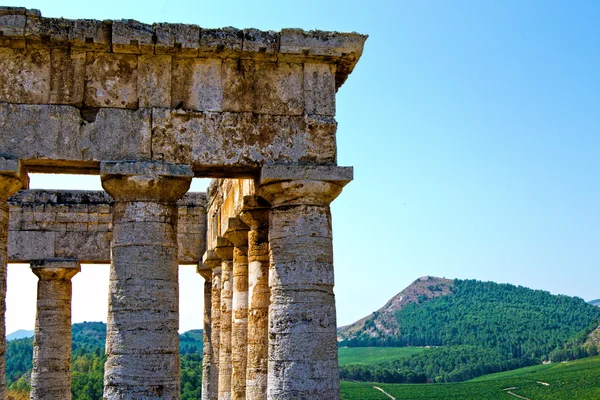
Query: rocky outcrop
point(383, 321)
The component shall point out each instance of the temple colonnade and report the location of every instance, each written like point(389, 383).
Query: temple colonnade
point(148, 108)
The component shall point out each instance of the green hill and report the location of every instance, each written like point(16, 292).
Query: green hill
point(556, 381)
point(477, 328)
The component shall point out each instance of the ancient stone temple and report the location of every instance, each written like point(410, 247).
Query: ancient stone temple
point(148, 108)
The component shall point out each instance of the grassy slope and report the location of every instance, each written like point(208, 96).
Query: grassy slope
point(566, 381)
point(374, 355)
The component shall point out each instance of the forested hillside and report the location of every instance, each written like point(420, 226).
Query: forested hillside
point(87, 366)
point(479, 327)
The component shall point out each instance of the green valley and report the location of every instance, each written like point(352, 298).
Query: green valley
point(557, 381)
point(475, 328)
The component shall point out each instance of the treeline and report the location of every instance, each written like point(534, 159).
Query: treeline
point(87, 363)
point(511, 326)
point(444, 364)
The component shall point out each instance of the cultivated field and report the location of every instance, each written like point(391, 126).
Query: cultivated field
point(374, 355)
point(575, 380)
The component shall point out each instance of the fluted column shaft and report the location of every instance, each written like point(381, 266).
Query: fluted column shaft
point(51, 375)
point(142, 341)
point(256, 215)
point(212, 305)
point(224, 251)
point(11, 181)
point(237, 234)
point(302, 320)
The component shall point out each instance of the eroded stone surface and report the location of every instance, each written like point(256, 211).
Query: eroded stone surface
point(11, 180)
point(224, 251)
point(68, 224)
point(142, 342)
point(237, 234)
point(179, 101)
point(256, 215)
point(51, 375)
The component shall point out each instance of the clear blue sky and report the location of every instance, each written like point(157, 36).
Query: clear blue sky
point(473, 127)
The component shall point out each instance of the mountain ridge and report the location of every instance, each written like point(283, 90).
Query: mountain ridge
point(19, 334)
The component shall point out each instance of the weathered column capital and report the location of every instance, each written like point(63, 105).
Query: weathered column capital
point(224, 249)
point(255, 212)
point(204, 271)
point(211, 260)
point(145, 180)
point(237, 233)
point(12, 177)
point(55, 269)
point(283, 185)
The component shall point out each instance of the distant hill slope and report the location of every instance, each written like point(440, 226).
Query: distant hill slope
point(20, 334)
point(383, 322)
point(474, 328)
point(595, 302)
point(440, 312)
point(88, 362)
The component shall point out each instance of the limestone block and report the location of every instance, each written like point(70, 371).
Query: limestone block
point(319, 88)
point(68, 214)
point(279, 89)
point(41, 132)
point(191, 223)
point(117, 135)
point(224, 41)
point(274, 173)
point(26, 76)
point(238, 85)
point(181, 39)
point(319, 132)
point(35, 75)
point(239, 139)
point(191, 247)
point(154, 81)
point(111, 80)
point(87, 246)
point(44, 32)
point(10, 78)
point(12, 21)
point(24, 246)
point(90, 35)
point(179, 136)
point(67, 77)
point(131, 36)
point(297, 41)
point(257, 41)
point(197, 84)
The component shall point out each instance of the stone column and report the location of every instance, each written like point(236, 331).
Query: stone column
point(256, 215)
point(210, 360)
point(237, 234)
point(302, 321)
point(207, 352)
point(142, 341)
point(12, 178)
point(224, 251)
point(51, 375)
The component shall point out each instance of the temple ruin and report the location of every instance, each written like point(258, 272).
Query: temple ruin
point(148, 108)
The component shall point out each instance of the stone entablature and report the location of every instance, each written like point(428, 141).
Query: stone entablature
point(225, 101)
point(48, 224)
